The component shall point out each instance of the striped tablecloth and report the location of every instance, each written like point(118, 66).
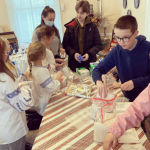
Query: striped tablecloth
point(65, 125)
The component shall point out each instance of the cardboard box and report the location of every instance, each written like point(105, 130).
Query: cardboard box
point(92, 66)
point(83, 72)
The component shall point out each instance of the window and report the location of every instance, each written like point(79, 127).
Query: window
point(147, 21)
point(25, 16)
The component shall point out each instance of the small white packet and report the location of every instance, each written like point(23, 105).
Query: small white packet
point(132, 147)
point(130, 136)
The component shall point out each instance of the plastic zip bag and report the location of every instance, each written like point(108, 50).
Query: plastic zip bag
point(102, 109)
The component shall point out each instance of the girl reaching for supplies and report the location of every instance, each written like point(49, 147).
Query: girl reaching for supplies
point(130, 118)
point(43, 84)
point(46, 35)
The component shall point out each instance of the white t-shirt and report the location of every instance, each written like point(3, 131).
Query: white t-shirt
point(49, 58)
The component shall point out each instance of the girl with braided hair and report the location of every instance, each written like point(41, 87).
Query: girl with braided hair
point(43, 85)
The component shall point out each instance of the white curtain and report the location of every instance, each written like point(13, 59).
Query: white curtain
point(25, 16)
point(147, 21)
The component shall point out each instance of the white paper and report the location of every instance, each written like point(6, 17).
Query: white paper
point(101, 148)
point(122, 106)
point(130, 136)
point(100, 132)
point(109, 96)
point(132, 147)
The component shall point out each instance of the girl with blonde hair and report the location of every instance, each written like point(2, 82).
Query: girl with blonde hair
point(15, 98)
point(43, 85)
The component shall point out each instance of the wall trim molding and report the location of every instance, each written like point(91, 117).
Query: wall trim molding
point(107, 34)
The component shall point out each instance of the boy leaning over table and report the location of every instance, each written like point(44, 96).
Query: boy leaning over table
point(131, 58)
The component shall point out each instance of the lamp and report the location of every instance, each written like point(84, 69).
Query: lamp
point(105, 23)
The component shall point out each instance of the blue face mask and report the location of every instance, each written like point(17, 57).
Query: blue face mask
point(49, 23)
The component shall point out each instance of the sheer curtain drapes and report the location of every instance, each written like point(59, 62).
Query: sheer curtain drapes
point(147, 21)
point(25, 16)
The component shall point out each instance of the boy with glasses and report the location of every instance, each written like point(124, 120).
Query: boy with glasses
point(130, 56)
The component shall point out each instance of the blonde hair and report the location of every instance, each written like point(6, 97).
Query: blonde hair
point(34, 52)
point(9, 64)
point(3, 67)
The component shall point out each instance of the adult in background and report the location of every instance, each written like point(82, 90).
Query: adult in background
point(81, 37)
point(48, 18)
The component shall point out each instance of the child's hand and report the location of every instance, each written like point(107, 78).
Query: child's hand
point(62, 61)
point(110, 141)
point(26, 75)
point(58, 65)
point(62, 51)
point(75, 56)
point(127, 86)
point(114, 85)
point(101, 88)
point(59, 74)
point(86, 57)
point(23, 83)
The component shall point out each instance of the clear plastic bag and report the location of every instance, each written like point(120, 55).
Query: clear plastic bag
point(108, 78)
point(122, 99)
point(102, 109)
point(79, 90)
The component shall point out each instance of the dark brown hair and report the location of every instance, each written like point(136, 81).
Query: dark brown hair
point(34, 52)
point(127, 22)
point(45, 30)
point(85, 6)
point(45, 12)
point(3, 67)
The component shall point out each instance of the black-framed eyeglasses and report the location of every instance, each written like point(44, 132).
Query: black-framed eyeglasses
point(125, 39)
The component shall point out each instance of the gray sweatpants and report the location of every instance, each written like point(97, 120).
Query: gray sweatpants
point(17, 145)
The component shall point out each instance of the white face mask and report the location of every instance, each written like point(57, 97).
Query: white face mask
point(49, 23)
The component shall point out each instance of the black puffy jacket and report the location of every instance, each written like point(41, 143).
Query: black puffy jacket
point(92, 43)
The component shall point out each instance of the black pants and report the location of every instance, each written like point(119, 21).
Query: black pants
point(34, 119)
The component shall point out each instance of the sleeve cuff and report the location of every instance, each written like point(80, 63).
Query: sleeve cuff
point(136, 83)
point(114, 132)
point(90, 54)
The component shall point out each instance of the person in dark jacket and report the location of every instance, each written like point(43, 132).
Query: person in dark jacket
point(81, 37)
point(131, 57)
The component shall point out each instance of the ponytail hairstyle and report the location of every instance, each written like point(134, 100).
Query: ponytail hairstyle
point(45, 12)
point(3, 67)
point(45, 30)
point(34, 52)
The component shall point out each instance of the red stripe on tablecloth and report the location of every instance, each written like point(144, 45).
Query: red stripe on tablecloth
point(83, 143)
point(56, 102)
point(141, 134)
point(56, 97)
point(60, 119)
point(96, 147)
point(57, 138)
point(61, 106)
point(72, 100)
point(118, 146)
point(49, 134)
point(74, 137)
point(137, 128)
point(146, 144)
